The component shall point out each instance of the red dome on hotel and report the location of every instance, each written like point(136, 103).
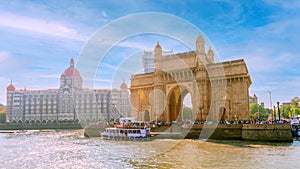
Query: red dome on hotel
point(11, 87)
point(71, 71)
point(123, 86)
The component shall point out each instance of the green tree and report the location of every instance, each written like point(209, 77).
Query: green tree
point(286, 112)
point(290, 110)
point(187, 113)
point(258, 112)
point(295, 110)
point(2, 116)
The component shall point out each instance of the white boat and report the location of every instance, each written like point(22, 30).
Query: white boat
point(127, 128)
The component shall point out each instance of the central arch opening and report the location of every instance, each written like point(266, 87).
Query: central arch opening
point(187, 110)
point(180, 105)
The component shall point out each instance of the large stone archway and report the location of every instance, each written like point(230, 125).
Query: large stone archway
point(174, 107)
point(212, 86)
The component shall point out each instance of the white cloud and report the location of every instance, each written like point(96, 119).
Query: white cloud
point(4, 82)
point(136, 45)
point(104, 14)
point(49, 28)
point(103, 80)
point(291, 4)
point(261, 56)
point(282, 28)
point(231, 17)
point(54, 76)
point(3, 56)
point(8, 60)
point(271, 64)
point(148, 42)
point(108, 66)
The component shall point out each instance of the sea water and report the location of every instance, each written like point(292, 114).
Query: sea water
point(70, 149)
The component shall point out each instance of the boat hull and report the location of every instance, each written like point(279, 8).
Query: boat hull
point(125, 133)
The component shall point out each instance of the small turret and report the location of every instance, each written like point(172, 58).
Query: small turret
point(157, 56)
point(72, 62)
point(200, 42)
point(210, 56)
point(158, 46)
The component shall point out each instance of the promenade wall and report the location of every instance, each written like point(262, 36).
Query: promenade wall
point(39, 126)
point(215, 131)
point(263, 132)
point(249, 132)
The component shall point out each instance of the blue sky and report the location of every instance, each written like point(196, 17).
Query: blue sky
point(38, 38)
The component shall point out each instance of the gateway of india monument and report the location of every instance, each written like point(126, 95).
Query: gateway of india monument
point(218, 90)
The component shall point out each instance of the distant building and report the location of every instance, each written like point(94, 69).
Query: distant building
point(253, 99)
point(295, 101)
point(69, 102)
point(148, 60)
point(284, 104)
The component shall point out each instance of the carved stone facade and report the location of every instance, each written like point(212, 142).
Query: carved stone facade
point(218, 91)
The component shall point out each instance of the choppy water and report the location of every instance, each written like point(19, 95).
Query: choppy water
point(69, 149)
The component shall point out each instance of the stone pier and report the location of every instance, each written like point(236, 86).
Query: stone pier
point(247, 132)
point(267, 132)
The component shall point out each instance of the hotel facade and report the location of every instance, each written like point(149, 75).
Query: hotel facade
point(70, 102)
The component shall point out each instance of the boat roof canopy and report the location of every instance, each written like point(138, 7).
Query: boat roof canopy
point(127, 119)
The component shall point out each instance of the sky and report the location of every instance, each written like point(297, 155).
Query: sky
point(38, 38)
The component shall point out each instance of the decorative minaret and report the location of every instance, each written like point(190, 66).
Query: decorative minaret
point(210, 56)
point(200, 50)
point(200, 42)
point(157, 100)
point(158, 57)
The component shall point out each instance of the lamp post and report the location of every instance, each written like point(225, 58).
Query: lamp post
point(278, 110)
point(258, 112)
point(270, 94)
point(275, 114)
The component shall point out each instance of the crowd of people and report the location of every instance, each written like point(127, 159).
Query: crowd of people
point(253, 121)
